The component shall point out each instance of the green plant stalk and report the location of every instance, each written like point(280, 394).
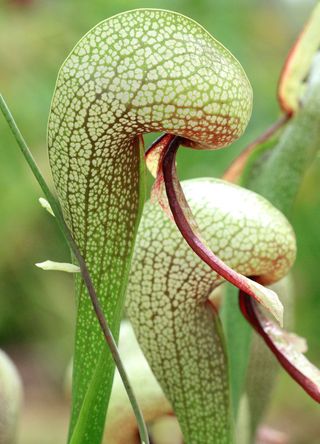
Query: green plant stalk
point(238, 345)
point(276, 174)
point(263, 367)
point(84, 271)
point(281, 175)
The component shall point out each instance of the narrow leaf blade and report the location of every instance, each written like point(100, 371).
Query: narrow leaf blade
point(238, 340)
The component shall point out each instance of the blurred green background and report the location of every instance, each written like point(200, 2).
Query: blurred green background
point(37, 308)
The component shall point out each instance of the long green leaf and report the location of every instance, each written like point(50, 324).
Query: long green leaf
point(238, 337)
point(276, 169)
point(263, 367)
point(281, 175)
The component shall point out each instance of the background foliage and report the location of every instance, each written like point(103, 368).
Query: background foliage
point(37, 308)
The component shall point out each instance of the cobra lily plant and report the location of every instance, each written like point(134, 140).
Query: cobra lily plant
point(146, 71)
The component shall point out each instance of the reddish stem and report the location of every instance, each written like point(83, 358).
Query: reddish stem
point(234, 171)
point(186, 224)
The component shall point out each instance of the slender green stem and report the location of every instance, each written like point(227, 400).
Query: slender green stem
point(280, 177)
point(83, 267)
